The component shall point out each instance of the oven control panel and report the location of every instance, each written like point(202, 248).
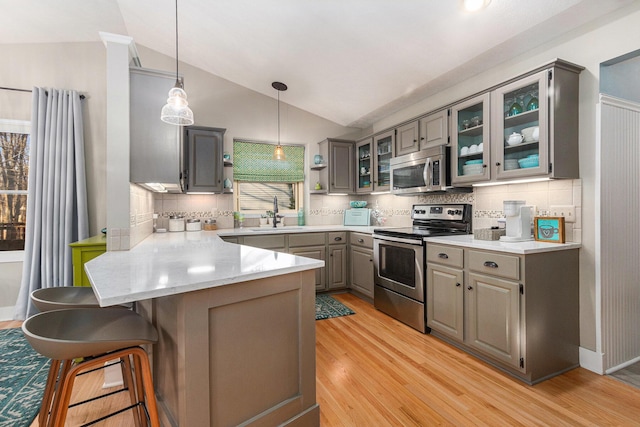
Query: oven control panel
point(441, 212)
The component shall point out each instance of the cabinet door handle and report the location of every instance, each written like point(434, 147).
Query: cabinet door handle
point(443, 256)
point(490, 264)
point(337, 239)
point(497, 163)
point(458, 285)
point(360, 240)
point(470, 288)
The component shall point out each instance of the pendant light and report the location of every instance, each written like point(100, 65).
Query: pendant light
point(177, 111)
point(278, 153)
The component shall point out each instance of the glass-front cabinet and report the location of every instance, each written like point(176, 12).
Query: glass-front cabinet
point(520, 127)
point(470, 140)
point(383, 145)
point(366, 165)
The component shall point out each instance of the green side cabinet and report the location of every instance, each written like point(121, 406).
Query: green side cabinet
point(83, 251)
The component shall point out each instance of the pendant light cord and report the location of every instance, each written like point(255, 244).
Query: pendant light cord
point(177, 78)
point(278, 117)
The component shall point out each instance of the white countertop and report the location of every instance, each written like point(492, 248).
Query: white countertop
point(256, 231)
point(173, 263)
point(522, 248)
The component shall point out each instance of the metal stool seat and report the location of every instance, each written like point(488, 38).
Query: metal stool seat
point(96, 336)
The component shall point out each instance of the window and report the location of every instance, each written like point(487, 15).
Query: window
point(258, 178)
point(14, 173)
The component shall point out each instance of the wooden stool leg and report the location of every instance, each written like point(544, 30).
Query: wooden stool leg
point(49, 389)
point(66, 367)
point(137, 367)
point(127, 377)
point(63, 395)
point(142, 360)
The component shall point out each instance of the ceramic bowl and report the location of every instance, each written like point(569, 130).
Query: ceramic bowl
point(358, 204)
point(528, 163)
point(473, 148)
point(531, 134)
point(510, 164)
point(464, 151)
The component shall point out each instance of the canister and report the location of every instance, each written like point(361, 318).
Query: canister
point(176, 223)
point(193, 224)
point(210, 224)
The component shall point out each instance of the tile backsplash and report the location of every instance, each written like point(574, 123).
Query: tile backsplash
point(329, 210)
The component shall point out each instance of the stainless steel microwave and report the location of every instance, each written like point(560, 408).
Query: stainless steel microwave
point(421, 172)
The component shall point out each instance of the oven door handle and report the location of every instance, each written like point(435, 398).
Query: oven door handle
point(399, 240)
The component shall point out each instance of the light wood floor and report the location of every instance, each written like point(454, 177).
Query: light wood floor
point(375, 371)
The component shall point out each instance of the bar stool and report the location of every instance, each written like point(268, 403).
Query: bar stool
point(56, 298)
point(95, 336)
point(47, 299)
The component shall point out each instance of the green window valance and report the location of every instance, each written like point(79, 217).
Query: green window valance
point(253, 161)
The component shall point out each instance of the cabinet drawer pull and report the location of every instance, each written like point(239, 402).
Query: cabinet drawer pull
point(470, 288)
point(337, 239)
point(443, 255)
point(490, 264)
point(458, 285)
point(360, 240)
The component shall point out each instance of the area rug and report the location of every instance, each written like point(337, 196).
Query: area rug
point(328, 307)
point(23, 374)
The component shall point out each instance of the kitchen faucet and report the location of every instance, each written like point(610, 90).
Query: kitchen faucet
point(275, 212)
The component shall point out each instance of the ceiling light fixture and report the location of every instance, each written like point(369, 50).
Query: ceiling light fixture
point(475, 5)
point(278, 153)
point(177, 111)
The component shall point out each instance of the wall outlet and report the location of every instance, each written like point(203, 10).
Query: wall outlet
point(567, 211)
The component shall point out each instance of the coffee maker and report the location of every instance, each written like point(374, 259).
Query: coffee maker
point(518, 226)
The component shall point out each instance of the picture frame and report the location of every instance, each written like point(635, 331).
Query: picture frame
point(549, 229)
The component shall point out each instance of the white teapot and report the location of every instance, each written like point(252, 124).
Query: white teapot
point(515, 138)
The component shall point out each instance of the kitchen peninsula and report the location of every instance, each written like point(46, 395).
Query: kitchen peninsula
point(236, 327)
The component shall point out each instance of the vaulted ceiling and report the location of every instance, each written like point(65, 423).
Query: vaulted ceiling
point(350, 61)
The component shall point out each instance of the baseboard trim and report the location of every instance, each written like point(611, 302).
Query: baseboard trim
point(592, 360)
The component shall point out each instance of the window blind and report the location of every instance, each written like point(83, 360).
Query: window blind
point(253, 161)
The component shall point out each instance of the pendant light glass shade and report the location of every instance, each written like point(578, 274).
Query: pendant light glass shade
point(278, 152)
point(177, 111)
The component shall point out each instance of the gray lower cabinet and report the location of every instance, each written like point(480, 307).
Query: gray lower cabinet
point(445, 308)
point(517, 312)
point(275, 242)
point(330, 247)
point(361, 263)
point(337, 260)
point(311, 245)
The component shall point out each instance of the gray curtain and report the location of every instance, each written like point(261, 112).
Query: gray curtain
point(57, 195)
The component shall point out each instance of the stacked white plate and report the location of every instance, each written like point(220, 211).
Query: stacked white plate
point(510, 164)
point(472, 169)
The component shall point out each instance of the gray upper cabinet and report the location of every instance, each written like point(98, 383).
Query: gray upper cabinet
point(434, 130)
point(155, 155)
point(407, 138)
point(339, 175)
point(203, 162)
point(384, 150)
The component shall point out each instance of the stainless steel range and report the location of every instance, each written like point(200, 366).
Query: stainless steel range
point(399, 259)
